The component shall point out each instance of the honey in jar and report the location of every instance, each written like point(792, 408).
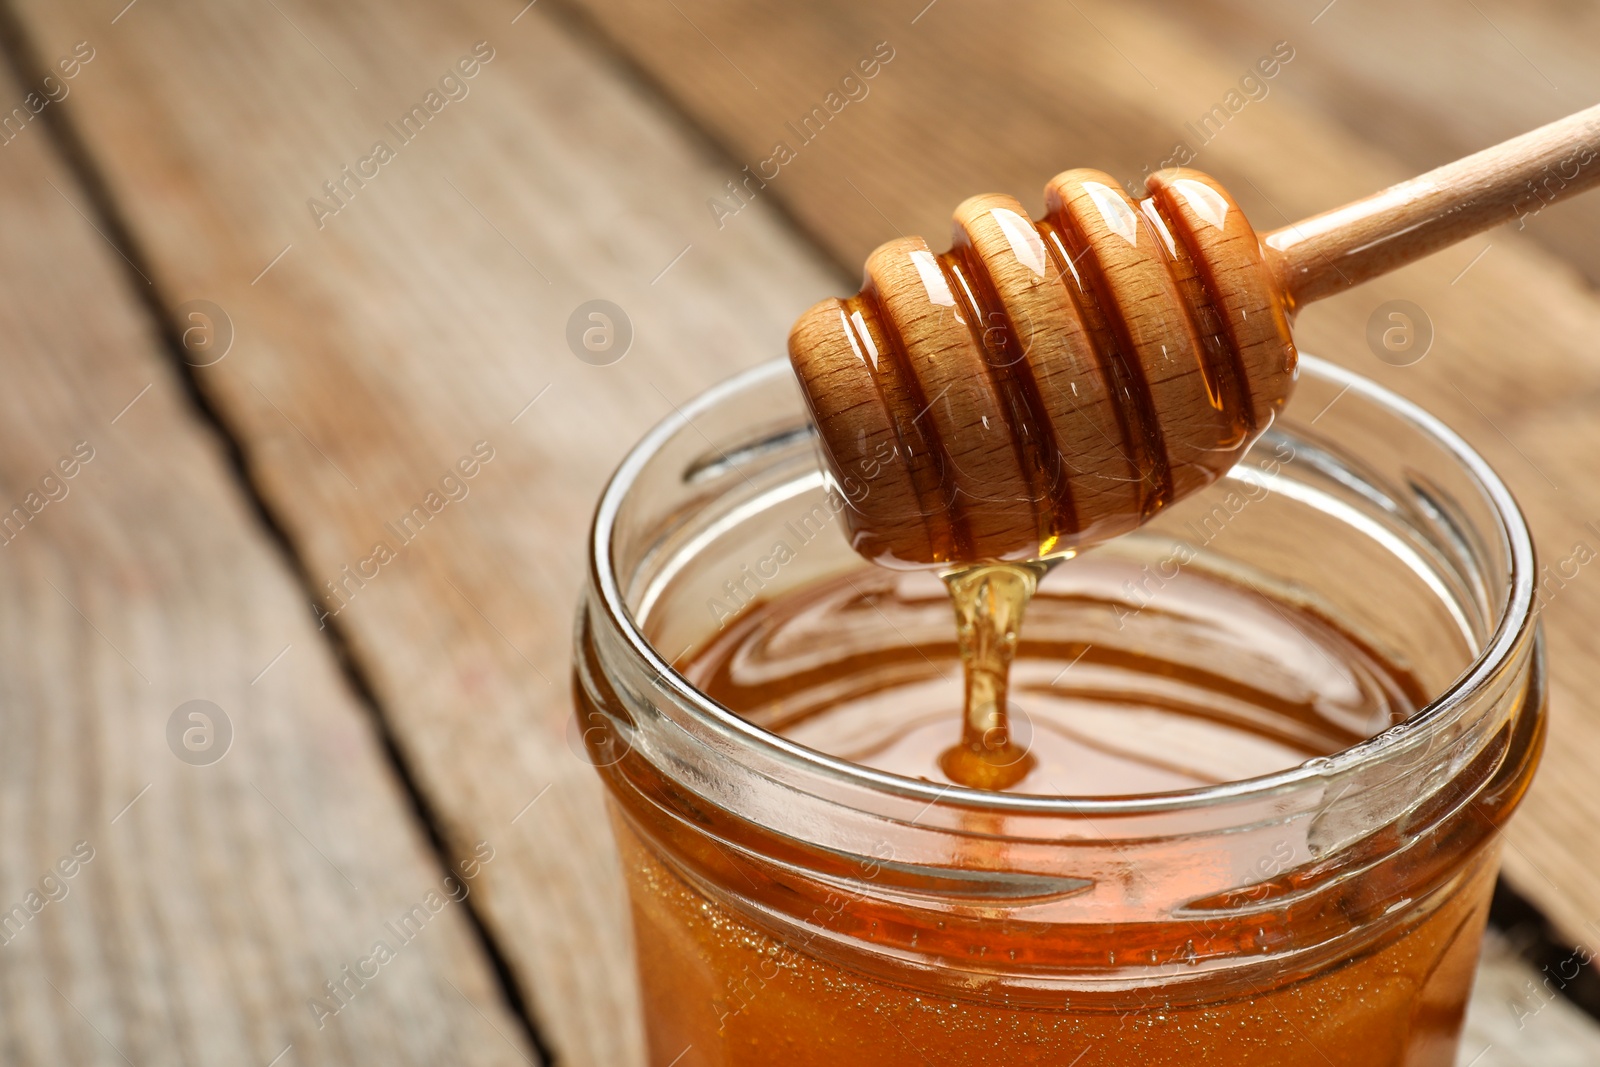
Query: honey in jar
point(1253, 764)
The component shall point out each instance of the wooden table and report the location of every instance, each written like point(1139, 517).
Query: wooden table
point(396, 765)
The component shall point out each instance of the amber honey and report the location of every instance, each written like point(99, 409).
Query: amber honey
point(746, 961)
point(722, 991)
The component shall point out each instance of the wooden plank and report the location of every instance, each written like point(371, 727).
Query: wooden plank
point(182, 910)
point(1515, 1019)
point(374, 352)
point(972, 102)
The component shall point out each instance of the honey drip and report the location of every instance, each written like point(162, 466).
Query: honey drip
point(989, 601)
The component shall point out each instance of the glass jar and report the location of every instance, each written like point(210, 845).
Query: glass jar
point(793, 908)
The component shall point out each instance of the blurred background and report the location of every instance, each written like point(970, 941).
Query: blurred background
point(304, 414)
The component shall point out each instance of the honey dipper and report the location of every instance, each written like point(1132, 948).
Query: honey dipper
point(1047, 385)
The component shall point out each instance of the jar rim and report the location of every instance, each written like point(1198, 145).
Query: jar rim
point(1512, 624)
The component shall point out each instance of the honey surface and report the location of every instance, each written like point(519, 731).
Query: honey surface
point(1119, 687)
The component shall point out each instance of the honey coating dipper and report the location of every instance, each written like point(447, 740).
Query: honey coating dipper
point(1048, 385)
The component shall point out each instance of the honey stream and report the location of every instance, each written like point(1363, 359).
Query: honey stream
point(989, 601)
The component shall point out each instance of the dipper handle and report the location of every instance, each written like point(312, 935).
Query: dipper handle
point(1043, 386)
point(1515, 180)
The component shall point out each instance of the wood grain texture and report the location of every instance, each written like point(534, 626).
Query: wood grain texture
point(1050, 349)
point(422, 317)
point(986, 489)
point(173, 913)
point(1154, 332)
point(1247, 317)
point(970, 102)
point(849, 383)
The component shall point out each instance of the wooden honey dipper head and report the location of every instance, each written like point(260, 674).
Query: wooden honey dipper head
point(1043, 386)
point(1046, 384)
